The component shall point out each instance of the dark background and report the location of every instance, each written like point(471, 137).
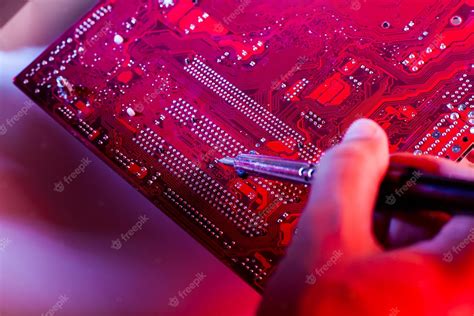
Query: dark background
point(59, 243)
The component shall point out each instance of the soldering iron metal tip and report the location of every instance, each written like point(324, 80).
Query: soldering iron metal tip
point(227, 161)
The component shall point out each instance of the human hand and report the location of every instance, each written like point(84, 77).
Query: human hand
point(336, 266)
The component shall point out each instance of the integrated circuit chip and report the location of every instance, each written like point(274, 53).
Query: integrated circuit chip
point(161, 90)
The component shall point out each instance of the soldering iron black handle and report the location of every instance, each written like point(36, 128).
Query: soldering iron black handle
point(410, 190)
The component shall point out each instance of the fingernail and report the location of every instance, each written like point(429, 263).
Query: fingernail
point(362, 129)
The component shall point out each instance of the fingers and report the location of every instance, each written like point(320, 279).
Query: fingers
point(452, 244)
point(436, 165)
point(345, 190)
point(452, 253)
point(408, 229)
point(336, 226)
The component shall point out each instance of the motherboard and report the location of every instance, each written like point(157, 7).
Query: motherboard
point(162, 89)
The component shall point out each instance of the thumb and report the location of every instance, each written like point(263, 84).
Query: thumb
point(340, 211)
point(336, 226)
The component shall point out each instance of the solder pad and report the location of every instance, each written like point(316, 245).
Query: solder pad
point(162, 89)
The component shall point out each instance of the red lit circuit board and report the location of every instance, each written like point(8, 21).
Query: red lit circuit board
point(162, 89)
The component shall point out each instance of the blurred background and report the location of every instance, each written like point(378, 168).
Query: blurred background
point(56, 254)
